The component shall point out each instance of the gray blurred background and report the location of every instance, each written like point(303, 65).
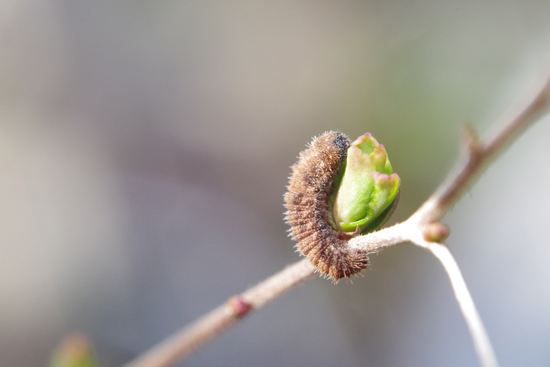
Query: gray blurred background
point(145, 147)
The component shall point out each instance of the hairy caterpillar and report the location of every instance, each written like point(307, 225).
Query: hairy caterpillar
point(307, 207)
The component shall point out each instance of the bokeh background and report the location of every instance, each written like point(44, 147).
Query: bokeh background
point(145, 147)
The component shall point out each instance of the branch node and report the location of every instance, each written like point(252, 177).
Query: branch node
point(436, 232)
point(239, 307)
point(471, 141)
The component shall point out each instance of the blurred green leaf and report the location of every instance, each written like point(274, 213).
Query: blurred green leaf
point(75, 351)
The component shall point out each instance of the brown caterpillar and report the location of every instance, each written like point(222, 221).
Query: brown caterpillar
point(307, 207)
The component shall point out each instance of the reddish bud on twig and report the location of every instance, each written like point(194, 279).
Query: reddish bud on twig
point(436, 232)
point(239, 306)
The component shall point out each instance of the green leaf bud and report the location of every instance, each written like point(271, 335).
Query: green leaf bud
point(74, 351)
point(366, 190)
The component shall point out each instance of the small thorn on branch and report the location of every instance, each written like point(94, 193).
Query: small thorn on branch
point(436, 232)
point(471, 141)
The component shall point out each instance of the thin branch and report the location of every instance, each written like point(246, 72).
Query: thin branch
point(412, 230)
point(481, 341)
point(479, 154)
point(181, 344)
